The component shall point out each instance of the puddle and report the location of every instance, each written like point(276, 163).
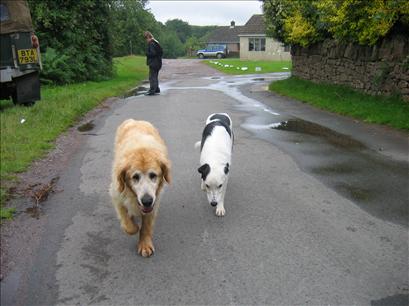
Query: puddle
point(138, 91)
point(397, 299)
point(34, 212)
point(215, 78)
point(86, 126)
point(313, 129)
point(340, 169)
point(258, 79)
point(375, 183)
point(354, 192)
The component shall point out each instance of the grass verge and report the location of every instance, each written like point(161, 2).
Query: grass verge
point(238, 65)
point(60, 107)
point(391, 111)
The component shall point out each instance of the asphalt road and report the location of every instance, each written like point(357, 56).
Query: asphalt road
point(316, 209)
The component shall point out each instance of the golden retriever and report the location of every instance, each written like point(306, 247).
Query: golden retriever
point(141, 166)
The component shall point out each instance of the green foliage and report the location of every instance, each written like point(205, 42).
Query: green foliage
point(391, 111)
point(361, 21)
point(182, 28)
point(78, 33)
point(129, 19)
point(171, 44)
point(201, 31)
point(193, 44)
point(305, 22)
point(178, 38)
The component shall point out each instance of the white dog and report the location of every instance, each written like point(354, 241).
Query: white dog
point(215, 159)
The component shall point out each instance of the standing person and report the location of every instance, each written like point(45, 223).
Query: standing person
point(154, 61)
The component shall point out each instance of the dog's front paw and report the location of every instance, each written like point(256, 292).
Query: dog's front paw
point(145, 248)
point(220, 211)
point(129, 227)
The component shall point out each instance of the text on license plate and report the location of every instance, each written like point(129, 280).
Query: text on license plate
point(27, 56)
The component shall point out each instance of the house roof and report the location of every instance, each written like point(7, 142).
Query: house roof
point(255, 25)
point(225, 35)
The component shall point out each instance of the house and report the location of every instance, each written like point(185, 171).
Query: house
point(228, 36)
point(250, 41)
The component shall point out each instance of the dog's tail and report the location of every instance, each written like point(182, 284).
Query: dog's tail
point(198, 144)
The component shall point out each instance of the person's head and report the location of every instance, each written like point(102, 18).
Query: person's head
point(148, 36)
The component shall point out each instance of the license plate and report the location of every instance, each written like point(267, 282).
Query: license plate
point(27, 56)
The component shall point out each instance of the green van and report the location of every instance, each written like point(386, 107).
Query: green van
point(20, 61)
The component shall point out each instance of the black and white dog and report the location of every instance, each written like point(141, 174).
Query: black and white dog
point(215, 158)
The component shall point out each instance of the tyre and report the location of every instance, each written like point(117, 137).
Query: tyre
point(29, 103)
point(219, 55)
point(27, 89)
point(14, 97)
point(201, 56)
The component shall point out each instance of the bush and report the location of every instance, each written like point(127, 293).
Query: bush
point(74, 39)
point(306, 22)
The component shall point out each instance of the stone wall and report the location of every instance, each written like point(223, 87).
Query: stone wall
point(379, 69)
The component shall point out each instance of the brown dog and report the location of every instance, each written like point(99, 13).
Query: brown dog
point(140, 167)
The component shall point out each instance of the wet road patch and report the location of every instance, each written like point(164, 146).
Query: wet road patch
point(139, 91)
point(86, 126)
point(306, 127)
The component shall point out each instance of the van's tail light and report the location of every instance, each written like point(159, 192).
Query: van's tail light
point(34, 41)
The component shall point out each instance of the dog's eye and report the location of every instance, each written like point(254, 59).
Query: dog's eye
point(152, 176)
point(220, 186)
point(136, 177)
point(207, 186)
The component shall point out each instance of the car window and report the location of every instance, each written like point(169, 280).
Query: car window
point(4, 13)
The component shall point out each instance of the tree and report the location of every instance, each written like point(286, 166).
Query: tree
point(75, 38)
point(305, 22)
point(171, 44)
point(129, 19)
point(193, 44)
point(182, 28)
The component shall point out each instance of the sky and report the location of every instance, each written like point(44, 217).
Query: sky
point(210, 12)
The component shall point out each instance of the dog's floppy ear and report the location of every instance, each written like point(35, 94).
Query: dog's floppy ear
point(122, 179)
point(226, 168)
point(204, 170)
point(165, 167)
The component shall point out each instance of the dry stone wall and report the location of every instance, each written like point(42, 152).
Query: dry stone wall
point(379, 69)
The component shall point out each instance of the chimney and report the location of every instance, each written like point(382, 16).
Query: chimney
point(232, 24)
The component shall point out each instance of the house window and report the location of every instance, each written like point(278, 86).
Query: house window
point(257, 44)
point(251, 44)
point(263, 44)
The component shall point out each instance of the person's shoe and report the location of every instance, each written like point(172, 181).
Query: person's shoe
point(149, 93)
point(157, 90)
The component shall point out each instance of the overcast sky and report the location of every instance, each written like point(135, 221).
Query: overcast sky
point(210, 12)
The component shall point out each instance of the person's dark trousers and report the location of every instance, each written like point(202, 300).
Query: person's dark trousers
point(153, 80)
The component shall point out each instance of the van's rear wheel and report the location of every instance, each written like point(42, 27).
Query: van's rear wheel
point(27, 89)
point(29, 103)
point(219, 55)
point(201, 56)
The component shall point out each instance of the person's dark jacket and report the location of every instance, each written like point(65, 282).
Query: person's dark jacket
point(154, 55)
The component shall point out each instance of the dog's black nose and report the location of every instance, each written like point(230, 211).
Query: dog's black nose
point(147, 200)
point(213, 203)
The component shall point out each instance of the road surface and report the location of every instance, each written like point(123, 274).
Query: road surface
point(316, 208)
